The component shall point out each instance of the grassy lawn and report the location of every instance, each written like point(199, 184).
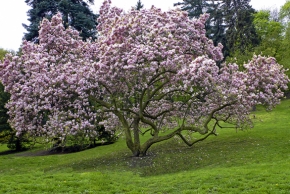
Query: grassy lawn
point(251, 161)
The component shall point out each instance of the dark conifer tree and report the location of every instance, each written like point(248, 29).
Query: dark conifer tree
point(241, 35)
point(230, 22)
point(76, 13)
point(139, 5)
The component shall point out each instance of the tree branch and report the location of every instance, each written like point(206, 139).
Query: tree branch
point(100, 102)
point(148, 122)
point(198, 140)
point(153, 93)
point(143, 133)
point(158, 115)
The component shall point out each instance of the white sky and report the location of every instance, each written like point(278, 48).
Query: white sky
point(13, 14)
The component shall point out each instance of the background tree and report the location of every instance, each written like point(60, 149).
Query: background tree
point(139, 5)
point(241, 35)
point(284, 13)
point(285, 47)
point(75, 13)
point(3, 52)
point(215, 26)
point(284, 16)
point(270, 34)
point(275, 14)
point(230, 23)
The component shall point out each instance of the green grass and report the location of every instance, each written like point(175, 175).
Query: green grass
point(251, 161)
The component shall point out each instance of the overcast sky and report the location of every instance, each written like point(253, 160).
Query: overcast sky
point(13, 14)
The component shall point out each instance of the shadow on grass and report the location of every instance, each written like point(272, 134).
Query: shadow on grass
point(170, 157)
point(8, 152)
point(62, 150)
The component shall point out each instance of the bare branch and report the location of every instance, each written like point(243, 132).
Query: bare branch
point(129, 110)
point(143, 133)
point(100, 102)
point(158, 115)
point(198, 140)
point(150, 123)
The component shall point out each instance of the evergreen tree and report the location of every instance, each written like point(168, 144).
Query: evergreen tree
point(241, 35)
point(230, 22)
point(215, 25)
point(76, 13)
point(139, 5)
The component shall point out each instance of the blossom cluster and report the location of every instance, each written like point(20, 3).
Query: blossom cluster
point(49, 84)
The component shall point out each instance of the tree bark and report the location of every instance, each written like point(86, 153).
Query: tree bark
point(136, 134)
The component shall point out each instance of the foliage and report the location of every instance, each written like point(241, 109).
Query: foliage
point(284, 13)
point(75, 13)
point(252, 161)
point(3, 52)
point(285, 48)
point(273, 32)
point(230, 23)
point(149, 72)
point(241, 35)
point(270, 34)
point(139, 5)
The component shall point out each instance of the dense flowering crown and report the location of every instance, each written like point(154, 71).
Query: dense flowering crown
point(48, 83)
point(155, 62)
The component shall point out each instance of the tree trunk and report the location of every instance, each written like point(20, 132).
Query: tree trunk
point(18, 146)
point(141, 150)
point(136, 136)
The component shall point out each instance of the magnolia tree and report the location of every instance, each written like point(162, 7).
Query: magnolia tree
point(148, 72)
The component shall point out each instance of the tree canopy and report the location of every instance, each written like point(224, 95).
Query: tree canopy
point(75, 13)
point(285, 11)
point(270, 32)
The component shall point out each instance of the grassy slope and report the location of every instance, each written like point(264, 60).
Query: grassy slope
point(252, 161)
